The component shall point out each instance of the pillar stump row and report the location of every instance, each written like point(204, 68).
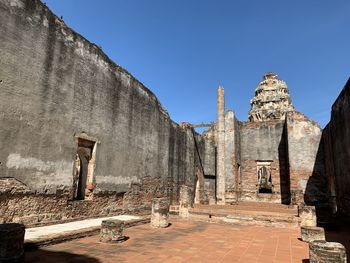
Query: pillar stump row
point(311, 233)
point(11, 242)
point(112, 231)
point(160, 212)
point(327, 252)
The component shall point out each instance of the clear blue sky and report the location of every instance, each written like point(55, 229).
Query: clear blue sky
point(182, 50)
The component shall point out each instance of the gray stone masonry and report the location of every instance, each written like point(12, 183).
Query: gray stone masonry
point(112, 231)
point(327, 252)
point(160, 212)
point(11, 242)
point(312, 233)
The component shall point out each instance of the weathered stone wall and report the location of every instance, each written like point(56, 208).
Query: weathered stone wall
point(306, 160)
point(336, 138)
point(20, 204)
point(262, 142)
point(55, 84)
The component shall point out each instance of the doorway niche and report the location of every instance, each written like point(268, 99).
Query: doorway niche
point(84, 166)
point(263, 170)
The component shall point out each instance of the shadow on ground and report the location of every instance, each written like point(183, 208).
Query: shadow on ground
point(43, 256)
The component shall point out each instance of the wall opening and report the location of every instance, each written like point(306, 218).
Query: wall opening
point(84, 165)
point(264, 177)
point(199, 186)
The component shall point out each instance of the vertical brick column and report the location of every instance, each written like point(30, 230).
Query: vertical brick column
point(186, 200)
point(112, 231)
point(11, 242)
point(160, 212)
point(307, 215)
point(327, 252)
point(220, 192)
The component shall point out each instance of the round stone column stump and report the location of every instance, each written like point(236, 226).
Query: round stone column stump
point(311, 233)
point(11, 242)
point(327, 252)
point(160, 212)
point(186, 201)
point(112, 231)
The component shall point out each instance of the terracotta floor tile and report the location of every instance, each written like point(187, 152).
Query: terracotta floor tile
point(183, 241)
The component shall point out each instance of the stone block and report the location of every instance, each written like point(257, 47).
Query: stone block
point(160, 212)
point(311, 233)
point(112, 231)
point(327, 252)
point(307, 215)
point(186, 201)
point(11, 242)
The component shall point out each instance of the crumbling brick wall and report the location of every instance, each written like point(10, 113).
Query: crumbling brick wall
point(306, 160)
point(262, 141)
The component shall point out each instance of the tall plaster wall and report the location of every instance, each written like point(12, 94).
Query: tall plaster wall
point(56, 84)
point(336, 138)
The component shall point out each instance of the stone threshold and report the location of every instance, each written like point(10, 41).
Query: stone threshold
point(246, 219)
point(61, 235)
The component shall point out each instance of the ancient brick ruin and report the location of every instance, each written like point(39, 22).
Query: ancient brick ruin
point(271, 157)
point(81, 137)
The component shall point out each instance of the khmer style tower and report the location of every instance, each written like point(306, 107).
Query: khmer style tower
point(271, 100)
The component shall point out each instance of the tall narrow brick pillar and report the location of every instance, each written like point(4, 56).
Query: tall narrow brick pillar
point(220, 180)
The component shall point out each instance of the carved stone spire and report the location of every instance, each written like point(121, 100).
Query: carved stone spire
point(271, 100)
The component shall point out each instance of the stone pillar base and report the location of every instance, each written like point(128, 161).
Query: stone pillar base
point(327, 252)
point(186, 201)
point(160, 213)
point(307, 215)
point(112, 231)
point(311, 233)
point(11, 242)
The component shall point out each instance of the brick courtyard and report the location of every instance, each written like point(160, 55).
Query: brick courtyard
point(184, 241)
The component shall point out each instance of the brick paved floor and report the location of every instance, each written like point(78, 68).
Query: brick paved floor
point(184, 241)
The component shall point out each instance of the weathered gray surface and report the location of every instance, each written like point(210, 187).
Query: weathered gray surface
point(160, 213)
point(337, 152)
point(306, 160)
point(55, 84)
point(264, 142)
point(327, 252)
point(112, 231)
point(311, 233)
